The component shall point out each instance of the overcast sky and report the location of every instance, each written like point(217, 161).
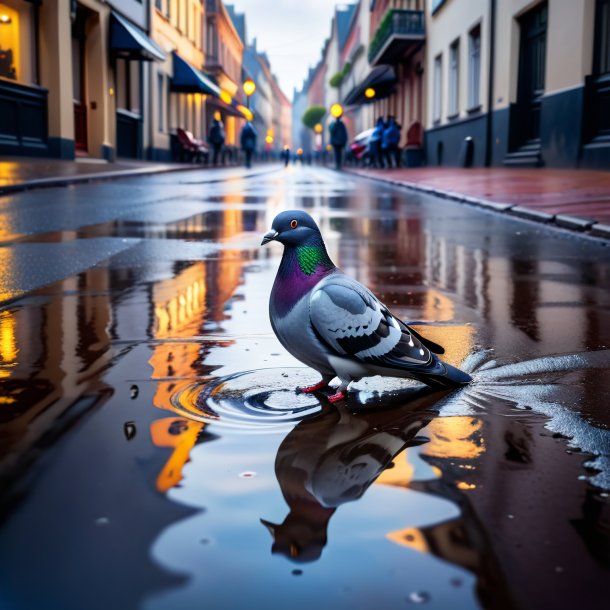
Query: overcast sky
point(290, 31)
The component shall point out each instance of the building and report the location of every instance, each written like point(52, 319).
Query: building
point(223, 62)
point(397, 49)
point(352, 83)
point(179, 87)
point(336, 62)
point(300, 136)
point(500, 72)
point(117, 78)
point(72, 77)
point(260, 101)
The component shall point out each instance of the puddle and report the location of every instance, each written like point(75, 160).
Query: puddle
point(151, 430)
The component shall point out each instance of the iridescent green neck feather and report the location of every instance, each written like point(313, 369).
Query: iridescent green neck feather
point(309, 257)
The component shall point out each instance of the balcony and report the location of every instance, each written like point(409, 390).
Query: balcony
point(399, 33)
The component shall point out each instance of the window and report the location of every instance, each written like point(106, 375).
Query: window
point(601, 62)
point(474, 68)
point(17, 41)
point(128, 85)
point(454, 79)
point(438, 89)
point(161, 101)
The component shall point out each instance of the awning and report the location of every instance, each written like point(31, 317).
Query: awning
point(382, 79)
point(187, 79)
point(232, 109)
point(129, 41)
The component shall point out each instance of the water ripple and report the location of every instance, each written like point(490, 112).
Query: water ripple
point(251, 401)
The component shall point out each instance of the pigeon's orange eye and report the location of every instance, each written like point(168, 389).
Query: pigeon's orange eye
point(293, 224)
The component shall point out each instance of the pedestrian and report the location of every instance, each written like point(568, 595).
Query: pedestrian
point(216, 137)
point(248, 141)
point(338, 140)
point(389, 143)
point(375, 143)
point(286, 155)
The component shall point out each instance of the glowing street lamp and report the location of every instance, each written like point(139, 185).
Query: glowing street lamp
point(249, 88)
point(369, 93)
point(336, 110)
point(225, 97)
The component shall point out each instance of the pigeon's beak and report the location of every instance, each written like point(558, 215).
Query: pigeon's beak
point(269, 236)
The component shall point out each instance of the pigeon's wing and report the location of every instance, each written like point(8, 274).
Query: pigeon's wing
point(354, 323)
point(431, 345)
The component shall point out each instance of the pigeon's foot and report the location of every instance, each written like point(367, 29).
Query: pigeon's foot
point(340, 395)
point(313, 388)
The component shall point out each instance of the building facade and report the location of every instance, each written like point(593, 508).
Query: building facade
point(118, 78)
point(179, 90)
point(224, 57)
point(501, 73)
point(72, 78)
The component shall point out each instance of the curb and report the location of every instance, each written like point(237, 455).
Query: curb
point(83, 178)
point(112, 175)
point(584, 226)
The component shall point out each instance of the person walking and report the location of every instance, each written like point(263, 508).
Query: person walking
point(248, 141)
point(375, 143)
point(286, 155)
point(338, 140)
point(216, 137)
point(389, 143)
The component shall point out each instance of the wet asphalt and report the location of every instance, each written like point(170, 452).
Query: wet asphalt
point(154, 453)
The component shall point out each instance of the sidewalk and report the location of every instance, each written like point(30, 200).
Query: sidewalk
point(22, 173)
point(570, 198)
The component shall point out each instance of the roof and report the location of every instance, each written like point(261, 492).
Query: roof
point(343, 16)
point(239, 21)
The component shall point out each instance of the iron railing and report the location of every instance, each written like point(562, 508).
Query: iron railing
point(400, 23)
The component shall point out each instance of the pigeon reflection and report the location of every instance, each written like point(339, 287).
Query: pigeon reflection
point(334, 457)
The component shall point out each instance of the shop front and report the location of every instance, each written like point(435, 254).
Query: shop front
point(23, 102)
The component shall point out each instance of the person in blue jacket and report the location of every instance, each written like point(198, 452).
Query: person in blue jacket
point(389, 143)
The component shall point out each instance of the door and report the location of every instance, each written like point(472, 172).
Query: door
point(532, 62)
point(78, 83)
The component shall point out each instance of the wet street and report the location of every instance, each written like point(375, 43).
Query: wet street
point(154, 453)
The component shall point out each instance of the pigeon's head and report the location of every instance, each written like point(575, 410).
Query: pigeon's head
point(293, 227)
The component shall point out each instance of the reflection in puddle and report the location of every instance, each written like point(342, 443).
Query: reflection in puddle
point(260, 401)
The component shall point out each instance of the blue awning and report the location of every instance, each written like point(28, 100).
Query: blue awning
point(187, 79)
point(129, 41)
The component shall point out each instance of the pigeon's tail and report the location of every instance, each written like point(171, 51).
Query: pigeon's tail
point(442, 375)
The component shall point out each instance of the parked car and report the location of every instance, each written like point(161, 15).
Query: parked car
point(359, 148)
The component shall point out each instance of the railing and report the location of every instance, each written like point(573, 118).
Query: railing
point(399, 23)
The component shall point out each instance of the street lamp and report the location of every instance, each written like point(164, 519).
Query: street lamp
point(369, 93)
point(225, 97)
point(249, 87)
point(336, 110)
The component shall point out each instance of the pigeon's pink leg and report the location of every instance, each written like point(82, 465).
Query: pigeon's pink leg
point(313, 388)
point(340, 395)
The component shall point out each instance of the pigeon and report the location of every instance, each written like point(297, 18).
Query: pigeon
point(337, 326)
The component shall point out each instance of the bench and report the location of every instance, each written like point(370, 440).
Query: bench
point(191, 148)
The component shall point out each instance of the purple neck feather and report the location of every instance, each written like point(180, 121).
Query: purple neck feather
point(292, 282)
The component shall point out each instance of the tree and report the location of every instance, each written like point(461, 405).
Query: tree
point(313, 115)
